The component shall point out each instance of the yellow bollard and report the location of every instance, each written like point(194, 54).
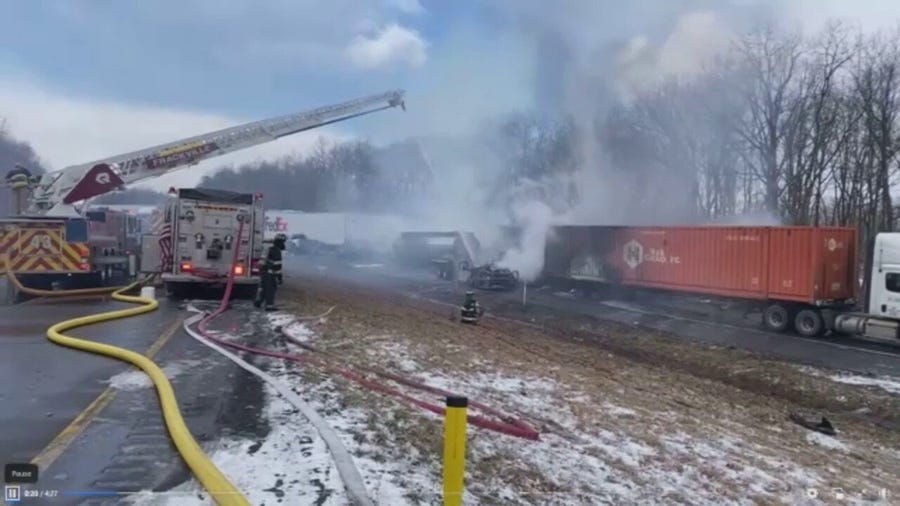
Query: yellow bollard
point(454, 450)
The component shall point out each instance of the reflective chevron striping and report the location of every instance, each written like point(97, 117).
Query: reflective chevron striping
point(40, 248)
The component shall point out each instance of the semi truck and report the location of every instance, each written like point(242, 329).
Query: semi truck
point(805, 279)
point(194, 247)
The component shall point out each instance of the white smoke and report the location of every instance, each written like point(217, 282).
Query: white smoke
point(535, 219)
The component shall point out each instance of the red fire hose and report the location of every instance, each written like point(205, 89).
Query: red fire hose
point(506, 424)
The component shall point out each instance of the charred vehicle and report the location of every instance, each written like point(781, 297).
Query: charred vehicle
point(491, 277)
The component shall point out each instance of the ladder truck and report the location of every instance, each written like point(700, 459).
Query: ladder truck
point(47, 239)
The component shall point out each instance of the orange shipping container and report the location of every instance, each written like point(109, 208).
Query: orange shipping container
point(808, 265)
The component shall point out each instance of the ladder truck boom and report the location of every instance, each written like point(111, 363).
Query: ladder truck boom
point(57, 191)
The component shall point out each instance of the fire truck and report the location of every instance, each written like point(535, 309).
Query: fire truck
point(194, 243)
point(50, 239)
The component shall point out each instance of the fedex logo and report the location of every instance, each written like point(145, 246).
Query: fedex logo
point(276, 225)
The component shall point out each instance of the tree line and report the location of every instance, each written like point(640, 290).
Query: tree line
point(804, 128)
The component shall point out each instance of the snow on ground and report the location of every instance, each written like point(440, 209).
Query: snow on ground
point(593, 450)
point(138, 379)
point(291, 465)
point(393, 475)
point(600, 466)
point(886, 383)
point(292, 327)
point(573, 464)
point(889, 384)
point(278, 318)
point(826, 441)
point(367, 266)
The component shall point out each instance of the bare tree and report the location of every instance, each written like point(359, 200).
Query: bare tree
point(877, 87)
point(770, 72)
point(814, 133)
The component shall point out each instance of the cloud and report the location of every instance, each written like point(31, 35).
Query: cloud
point(393, 44)
point(870, 15)
point(68, 131)
point(407, 6)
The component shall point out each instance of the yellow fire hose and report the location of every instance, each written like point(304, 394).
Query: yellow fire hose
point(218, 486)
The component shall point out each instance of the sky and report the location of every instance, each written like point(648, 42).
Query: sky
point(84, 79)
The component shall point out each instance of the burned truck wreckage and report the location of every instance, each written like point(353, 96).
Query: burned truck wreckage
point(491, 277)
point(453, 255)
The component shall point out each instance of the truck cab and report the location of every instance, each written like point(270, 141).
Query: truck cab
point(884, 280)
point(880, 318)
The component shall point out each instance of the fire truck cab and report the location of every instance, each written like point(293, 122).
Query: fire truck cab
point(195, 243)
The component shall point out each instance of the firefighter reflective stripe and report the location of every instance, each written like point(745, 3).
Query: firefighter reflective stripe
point(40, 249)
point(272, 260)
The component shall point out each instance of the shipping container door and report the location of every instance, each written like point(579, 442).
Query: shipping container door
point(792, 255)
point(836, 273)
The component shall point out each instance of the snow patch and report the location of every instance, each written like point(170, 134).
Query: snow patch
point(889, 384)
point(618, 410)
point(886, 383)
point(136, 380)
point(279, 319)
point(290, 465)
point(290, 326)
point(826, 441)
point(298, 332)
point(367, 266)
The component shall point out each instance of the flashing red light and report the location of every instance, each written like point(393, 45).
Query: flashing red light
point(84, 266)
point(238, 270)
point(186, 266)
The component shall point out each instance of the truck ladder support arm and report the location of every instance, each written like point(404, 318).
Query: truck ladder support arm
point(80, 182)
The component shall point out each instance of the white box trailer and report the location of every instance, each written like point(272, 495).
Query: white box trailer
point(372, 231)
point(194, 241)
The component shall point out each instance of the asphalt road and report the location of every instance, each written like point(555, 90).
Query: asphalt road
point(681, 317)
point(43, 386)
point(128, 448)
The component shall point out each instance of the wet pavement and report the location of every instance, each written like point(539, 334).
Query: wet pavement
point(125, 447)
point(128, 449)
point(43, 386)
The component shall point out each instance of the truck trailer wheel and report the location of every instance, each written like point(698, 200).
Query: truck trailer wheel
point(776, 318)
point(809, 323)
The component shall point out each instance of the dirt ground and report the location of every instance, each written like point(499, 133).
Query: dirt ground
point(626, 416)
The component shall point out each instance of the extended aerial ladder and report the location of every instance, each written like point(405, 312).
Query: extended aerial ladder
point(55, 193)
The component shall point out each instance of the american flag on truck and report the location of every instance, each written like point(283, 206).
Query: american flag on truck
point(162, 227)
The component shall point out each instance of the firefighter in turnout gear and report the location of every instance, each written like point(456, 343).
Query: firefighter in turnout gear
point(270, 273)
point(470, 311)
